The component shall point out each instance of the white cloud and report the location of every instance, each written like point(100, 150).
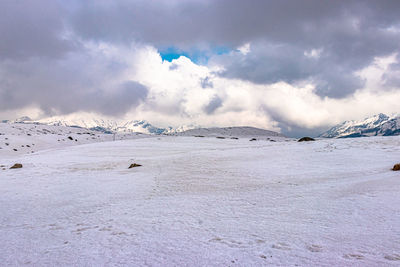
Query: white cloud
point(248, 103)
point(244, 49)
point(313, 53)
point(176, 96)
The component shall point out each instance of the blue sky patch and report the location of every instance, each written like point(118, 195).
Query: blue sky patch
point(195, 55)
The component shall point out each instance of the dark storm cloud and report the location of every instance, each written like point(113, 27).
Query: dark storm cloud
point(44, 63)
point(268, 63)
point(215, 103)
point(122, 97)
point(351, 34)
point(392, 77)
point(206, 82)
point(79, 83)
point(192, 22)
point(32, 28)
point(231, 22)
point(295, 131)
point(344, 49)
point(290, 128)
point(37, 39)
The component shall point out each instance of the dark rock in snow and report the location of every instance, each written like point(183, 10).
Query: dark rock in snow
point(133, 165)
point(396, 167)
point(306, 139)
point(16, 166)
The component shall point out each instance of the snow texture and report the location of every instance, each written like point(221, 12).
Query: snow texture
point(201, 202)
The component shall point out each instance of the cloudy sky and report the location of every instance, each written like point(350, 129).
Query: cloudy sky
point(297, 67)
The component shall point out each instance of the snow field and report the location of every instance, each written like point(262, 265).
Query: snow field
point(204, 201)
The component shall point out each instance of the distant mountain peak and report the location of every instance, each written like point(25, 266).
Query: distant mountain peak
point(376, 125)
point(105, 125)
point(23, 119)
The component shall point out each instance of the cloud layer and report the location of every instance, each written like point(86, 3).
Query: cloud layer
point(294, 66)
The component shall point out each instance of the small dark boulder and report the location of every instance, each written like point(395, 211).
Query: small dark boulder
point(220, 137)
point(133, 165)
point(306, 139)
point(70, 138)
point(396, 167)
point(16, 166)
point(253, 139)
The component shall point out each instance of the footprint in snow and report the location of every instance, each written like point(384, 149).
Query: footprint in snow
point(118, 233)
point(109, 228)
point(78, 231)
point(394, 257)
point(229, 243)
point(314, 248)
point(353, 256)
point(55, 226)
point(281, 246)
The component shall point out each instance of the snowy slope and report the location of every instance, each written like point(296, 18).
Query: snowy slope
point(101, 123)
point(243, 131)
point(104, 124)
point(378, 125)
point(203, 202)
point(25, 138)
point(112, 125)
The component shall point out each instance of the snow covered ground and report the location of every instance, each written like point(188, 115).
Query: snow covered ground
point(203, 202)
point(21, 138)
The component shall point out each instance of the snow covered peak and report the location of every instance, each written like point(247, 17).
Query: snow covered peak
point(104, 124)
point(380, 124)
point(107, 125)
point(23, 119)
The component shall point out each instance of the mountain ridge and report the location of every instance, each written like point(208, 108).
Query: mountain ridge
point(110, 126)
point(100, 124)
point(376, 125)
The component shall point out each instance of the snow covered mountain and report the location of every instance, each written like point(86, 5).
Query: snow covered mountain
point(110, 125)
point(380, 124)
point(101, 124)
